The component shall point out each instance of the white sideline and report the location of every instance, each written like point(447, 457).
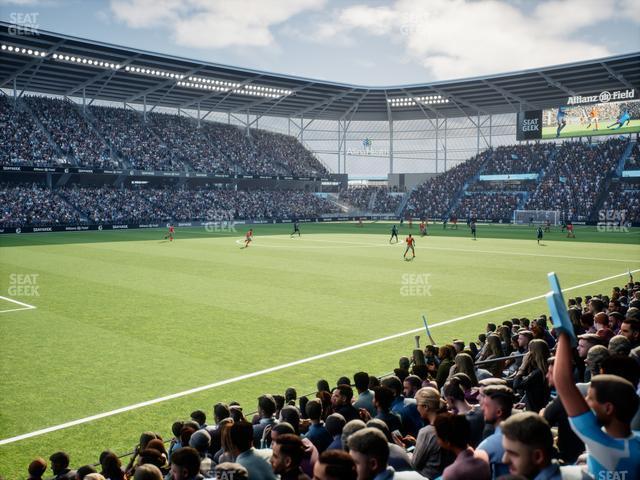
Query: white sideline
point(25, 306)
point(246, 376)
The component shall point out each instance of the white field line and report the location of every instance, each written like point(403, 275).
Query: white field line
point(428, 247)
point(25, 306)
point(281, 367)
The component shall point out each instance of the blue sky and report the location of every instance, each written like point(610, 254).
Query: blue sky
point(360, 42)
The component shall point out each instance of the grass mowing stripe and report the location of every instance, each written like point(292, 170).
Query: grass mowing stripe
point(284, 366)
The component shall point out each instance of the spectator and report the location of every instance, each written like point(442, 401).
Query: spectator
point(287, 455)
point(37, 469)
point(335, 465)
point(365, 396)
point(185, 464)
point(60, 467)
point(317, 432)
point(240, 437)
point(497, 405)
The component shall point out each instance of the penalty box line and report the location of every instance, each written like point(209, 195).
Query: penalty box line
point(247, 376)
point(24, 306)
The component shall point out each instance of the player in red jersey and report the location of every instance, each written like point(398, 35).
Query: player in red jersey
point(570, 233)
point(454, 222)
point(423, 228)
point(410, 223)
point(170, 234)
point(248, 238)
point(411, 242)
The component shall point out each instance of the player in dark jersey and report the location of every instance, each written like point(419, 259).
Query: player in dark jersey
point(622, 119)
point(411, 242)
point(394, 233)
point(169, 235)
point(248, 238)
point(561, 118)
point(540, 234)
point(445, 219)
point(472, 226)
point(296, 229)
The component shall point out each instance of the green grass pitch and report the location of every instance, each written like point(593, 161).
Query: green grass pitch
point(581, 130)
point(124, 317)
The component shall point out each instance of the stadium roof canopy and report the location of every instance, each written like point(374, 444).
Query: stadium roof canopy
point(64, 65)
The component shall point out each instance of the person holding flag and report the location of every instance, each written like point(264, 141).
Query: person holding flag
point(411, 242)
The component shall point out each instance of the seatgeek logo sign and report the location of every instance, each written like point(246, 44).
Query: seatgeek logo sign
point(604, 97)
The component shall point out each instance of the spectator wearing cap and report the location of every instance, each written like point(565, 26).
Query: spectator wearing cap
point(201, 441)
point(60, 466)
point(497, 405)
point(596, 355)
point(37, 468)
point(453, 433)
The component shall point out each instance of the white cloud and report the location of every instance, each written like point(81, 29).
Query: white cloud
point(462, 38)
point(208, 24)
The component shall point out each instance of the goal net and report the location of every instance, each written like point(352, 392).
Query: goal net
point(524, 217)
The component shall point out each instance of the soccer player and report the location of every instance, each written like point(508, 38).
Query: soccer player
point(445, 219)
point(394, 234)
point(561, 118)
point(593, 117)
point(411, 242)
point(454, 222)
point(472, 225)
point(170, 234)
point(423, 228)
point(248, 238)
point(540, 234)
point(622, 119)
point(570, 233)
point(296, 229)
point(410, 223)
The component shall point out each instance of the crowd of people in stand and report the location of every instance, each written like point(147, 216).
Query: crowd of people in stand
point(359, 196)
point(519, 402)
point(491, 206)
point(574, 181)
point(622, 204)
point(519, 158)
point(21, 141)
point(114, 137)
point(32, 204)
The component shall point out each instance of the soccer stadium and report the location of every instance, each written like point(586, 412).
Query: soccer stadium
point(221, 272)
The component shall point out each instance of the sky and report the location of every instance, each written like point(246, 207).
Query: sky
point(370, 43)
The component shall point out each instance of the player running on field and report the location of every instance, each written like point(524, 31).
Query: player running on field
point(394, 233)
point(411, 242)
point(540, 234)
point(248, 238)
point(170, 234)
point(296, 229)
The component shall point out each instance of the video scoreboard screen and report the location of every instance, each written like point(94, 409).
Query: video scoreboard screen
point(607, 113)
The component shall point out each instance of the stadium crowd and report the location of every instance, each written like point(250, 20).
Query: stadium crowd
point(155, 141)
point(36, 205)
point(621, 205)
point(491, 206)
point(574, 181)
point(518, 402)
point(518, 159)
point(21, 141)
point(359, 197)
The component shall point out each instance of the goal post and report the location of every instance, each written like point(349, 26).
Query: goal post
point(537, 217)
